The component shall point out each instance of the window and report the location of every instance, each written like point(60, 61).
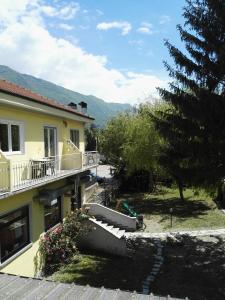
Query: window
point(52, 213)
point(50, 141)
point(11, 137)
point(14, 232)
point(74, 137)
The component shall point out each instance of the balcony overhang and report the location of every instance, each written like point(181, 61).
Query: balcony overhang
point(47, 195)
point(83, 177)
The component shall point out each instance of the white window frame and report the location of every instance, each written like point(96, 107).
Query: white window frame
point(71, 129)
point(21, 132)
point(56, 137)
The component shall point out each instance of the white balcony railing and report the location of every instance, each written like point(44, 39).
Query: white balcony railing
point(4, 176)
point(91, 158)
point(15, 175)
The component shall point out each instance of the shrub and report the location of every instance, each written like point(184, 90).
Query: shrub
point(59, 245)
point(74, 225)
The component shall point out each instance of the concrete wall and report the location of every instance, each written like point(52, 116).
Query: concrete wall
point(102, 240)
point(113, 216)
point(89, 192)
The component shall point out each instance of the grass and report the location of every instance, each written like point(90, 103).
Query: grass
point(198, 211)
point(109, 271)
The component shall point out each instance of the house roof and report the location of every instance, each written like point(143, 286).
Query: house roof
point(16, 90)
point(20, 288)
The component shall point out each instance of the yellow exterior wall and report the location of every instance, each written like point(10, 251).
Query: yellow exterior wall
point(23, 264)
point(34, 131)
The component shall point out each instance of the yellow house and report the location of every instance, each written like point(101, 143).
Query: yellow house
point(43, 169)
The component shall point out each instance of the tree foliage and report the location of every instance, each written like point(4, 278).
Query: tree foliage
point(142, 141)
point(91, 134)
point(193, 125)
point(131, 141)
point(113, 138)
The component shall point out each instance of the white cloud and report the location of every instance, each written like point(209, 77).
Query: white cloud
point(146, 28)
point(124, 26)
point(10, 11)
point(69, 11)
point(147, 24)
point(27, 46)
point(164, 19)
point(49, 11)
point(66, 12)
point(65, 26)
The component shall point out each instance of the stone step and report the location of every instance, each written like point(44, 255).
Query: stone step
point(113, 230)
point(110, 227)
point(108, 222)
point(121, 233)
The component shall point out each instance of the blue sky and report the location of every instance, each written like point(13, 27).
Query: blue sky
point(135, 51)
point(110, 48)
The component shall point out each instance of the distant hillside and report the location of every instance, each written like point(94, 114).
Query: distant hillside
point(102, 111)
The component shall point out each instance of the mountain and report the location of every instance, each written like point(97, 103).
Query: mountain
point(101, 110)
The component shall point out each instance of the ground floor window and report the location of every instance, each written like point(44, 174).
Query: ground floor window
point(14, 232)
point(52, 213)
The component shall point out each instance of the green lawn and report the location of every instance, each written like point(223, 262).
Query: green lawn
point(109, 271)
point(196, 212)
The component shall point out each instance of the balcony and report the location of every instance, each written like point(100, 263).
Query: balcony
point(17, 175)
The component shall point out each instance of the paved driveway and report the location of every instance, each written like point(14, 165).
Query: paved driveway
point(103, 171)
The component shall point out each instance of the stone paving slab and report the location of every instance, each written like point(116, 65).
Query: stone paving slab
point(164, 235)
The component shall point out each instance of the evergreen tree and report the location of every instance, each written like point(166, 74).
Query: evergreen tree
point(193, 125)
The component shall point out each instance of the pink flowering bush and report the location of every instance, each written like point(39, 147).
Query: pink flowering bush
point(59, 245)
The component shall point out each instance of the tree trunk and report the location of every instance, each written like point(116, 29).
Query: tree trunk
point(180, 187)
point(219, 196)
point(150, 182)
